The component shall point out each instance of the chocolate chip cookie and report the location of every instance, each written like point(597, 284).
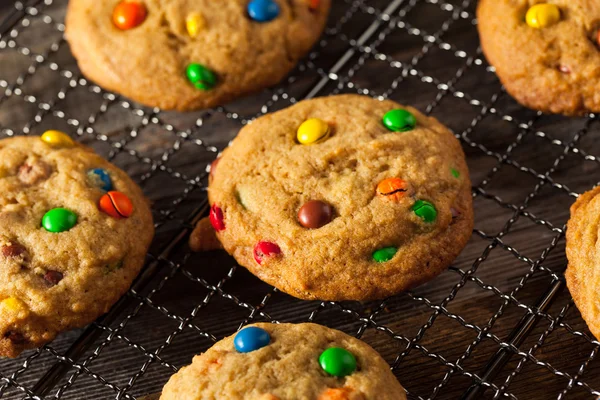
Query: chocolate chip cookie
point(546, 54)
point(583, 272)
point(74, 231)
point(191, 54)
point(343, 198)
point(286, 362)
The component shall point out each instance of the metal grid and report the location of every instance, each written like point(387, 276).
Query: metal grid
point(498, 324)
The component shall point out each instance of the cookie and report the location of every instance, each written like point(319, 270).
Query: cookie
point(191, 54)
point(286, 362)
point(583, 271)
point(343, 198)
point(74, 231)
point(545, 53)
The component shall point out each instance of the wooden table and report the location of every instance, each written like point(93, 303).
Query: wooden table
point(526, 169)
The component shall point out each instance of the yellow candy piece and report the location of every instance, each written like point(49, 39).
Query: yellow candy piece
point(542, 15)
point(312, 131)
point(13, 304)
point(57, 139)
point(194, 24)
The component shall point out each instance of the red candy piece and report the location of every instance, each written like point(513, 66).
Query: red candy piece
point(116, 204)
point(263, 250)
point(216, 218)
point(128, 14)
point(313, 4)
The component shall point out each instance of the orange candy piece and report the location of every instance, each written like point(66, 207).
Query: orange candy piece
point(340, 394)
point(313, 4)
point(129, 14)
point(116, 204)
point(392, 188)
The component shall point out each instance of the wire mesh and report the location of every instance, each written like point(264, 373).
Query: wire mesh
point(497, 324)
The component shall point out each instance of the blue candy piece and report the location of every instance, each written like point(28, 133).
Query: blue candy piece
point(263, 10)
point(99, 178)
point(250, 339)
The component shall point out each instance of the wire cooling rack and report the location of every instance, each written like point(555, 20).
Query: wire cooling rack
point(497, 324)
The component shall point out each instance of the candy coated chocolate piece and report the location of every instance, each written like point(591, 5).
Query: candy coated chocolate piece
point(194, 23)
point(59, 220)
point(116, 204)
point(99, 178)
point(337, 362)
point(542, 15)
point(263, 10)
point(128, 14)
point(313, 4)
point(425, 210)
point(384, 254)
point(392, 188)
point(216, 218)
point(263, 250)
point(315, 214)
point(201, 77)
point(57, 139)
point(399, 120)
point(251, 339)
point(313, 130)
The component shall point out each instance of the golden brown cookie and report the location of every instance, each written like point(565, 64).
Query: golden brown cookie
point(286, 362)
point(583, 272)
point(545, 53)
point(191, 54)
point(343, 198)
point(74, 231)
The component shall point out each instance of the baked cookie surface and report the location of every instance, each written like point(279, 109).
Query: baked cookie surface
point(74, 231)
point(546, 54)
point(286, 362)
point(583, 271)
point(191, 54)
point(378, 202)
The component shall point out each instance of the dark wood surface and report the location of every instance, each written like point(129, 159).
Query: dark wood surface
point(526, 170)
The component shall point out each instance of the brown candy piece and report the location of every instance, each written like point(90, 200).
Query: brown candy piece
point(13, 250)
point(53, 277)
point(33, 172)
point(315, 214)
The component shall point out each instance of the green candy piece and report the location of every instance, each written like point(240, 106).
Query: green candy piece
point(384, 254)
point(337, 362)
point(425, 210)
point(455, 172)
point(201, 77)
point(399, 120)
point(59, 220)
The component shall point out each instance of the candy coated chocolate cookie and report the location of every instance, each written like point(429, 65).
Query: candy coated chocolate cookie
point(63, 261)
point(362, 213)
point(191, 54)
point(583, 271)
point(546, 53)
point(286, 362)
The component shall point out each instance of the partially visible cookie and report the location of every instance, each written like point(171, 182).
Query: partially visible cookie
point(583, 272)
point(191, 54)
point(74, 231)
point(546, 54)
point(286, 362)
point(343, 198)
